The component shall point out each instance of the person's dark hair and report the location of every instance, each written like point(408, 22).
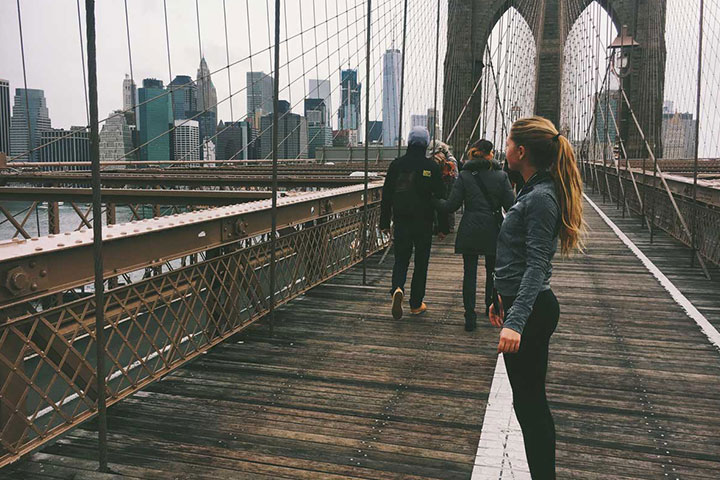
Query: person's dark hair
point(485, 146)
point(479, 149)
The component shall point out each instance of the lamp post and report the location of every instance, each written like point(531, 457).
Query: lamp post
point(620, 64)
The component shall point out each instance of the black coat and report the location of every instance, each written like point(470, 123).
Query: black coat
point(410, 184)
point(477, 233)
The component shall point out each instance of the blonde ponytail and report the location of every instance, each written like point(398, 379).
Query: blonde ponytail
point(549, 150)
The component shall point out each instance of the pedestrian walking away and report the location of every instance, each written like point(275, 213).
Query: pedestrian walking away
point(410, 184)
point(484, 189)
point(548, 208)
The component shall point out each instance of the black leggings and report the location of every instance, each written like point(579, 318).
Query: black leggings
point(469, 288)
point(526, 370)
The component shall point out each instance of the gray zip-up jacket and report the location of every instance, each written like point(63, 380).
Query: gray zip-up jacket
point(526, 245)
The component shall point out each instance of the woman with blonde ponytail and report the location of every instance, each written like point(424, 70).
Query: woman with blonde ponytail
point(548, 208)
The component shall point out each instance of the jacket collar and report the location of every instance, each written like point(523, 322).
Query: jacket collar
point(541, 176)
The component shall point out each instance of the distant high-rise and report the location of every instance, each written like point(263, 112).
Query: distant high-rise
point(319, 132)
point(433, 120)
point(206, 93)
point(417, 120)
point(259, 91)
point(376, 132)
point(349, 113)
point(154, 121)
point(184, 96)
point(292, 136)
point(60, 145)
point(4, 117)
point(186, 138)
point(608, 106)
point(321, 89)
point(116, 139)
point(130, 100)
point(678, 135)
point(392, 74)
point(22, 140)
point(208, 125)
point(232, 141)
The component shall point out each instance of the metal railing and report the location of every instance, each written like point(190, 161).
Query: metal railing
point(155, 325)
point(648, 198)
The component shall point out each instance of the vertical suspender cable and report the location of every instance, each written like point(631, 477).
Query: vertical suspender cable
point(227, 59)
point(97, 235)
point(367, 143)
point(27, 101)
point(273, 212)
point(437, 60)
point(402, 79)
point(697, 132)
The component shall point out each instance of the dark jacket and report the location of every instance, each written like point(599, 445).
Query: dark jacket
point(477, 233)
point(410, 183)
point(528, 241)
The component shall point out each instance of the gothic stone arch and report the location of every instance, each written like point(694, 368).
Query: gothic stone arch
point(470, 23)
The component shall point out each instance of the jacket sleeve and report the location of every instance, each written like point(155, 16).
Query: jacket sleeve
point(541, 216)
point(438, 190)
point(387, 197)
point(508, 194)
point(454, 201)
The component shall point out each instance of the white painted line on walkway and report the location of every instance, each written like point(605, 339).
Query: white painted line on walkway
point(707, 328)
point(501, 453)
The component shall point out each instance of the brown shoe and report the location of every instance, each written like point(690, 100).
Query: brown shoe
point(397, 304)
point(419, 310)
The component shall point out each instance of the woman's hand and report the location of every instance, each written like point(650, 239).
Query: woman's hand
point(509, 341)
point(497, 318)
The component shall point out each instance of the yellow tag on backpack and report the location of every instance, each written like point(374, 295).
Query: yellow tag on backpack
point(427, 173)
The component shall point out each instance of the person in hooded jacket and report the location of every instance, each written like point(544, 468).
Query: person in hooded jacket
point(410, 184)
point(484, 189)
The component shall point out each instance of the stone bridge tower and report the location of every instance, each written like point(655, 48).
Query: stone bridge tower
point(472, 21)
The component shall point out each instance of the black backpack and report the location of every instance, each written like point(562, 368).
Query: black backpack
point(496, 209)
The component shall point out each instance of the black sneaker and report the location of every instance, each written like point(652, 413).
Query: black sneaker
point(470, 324)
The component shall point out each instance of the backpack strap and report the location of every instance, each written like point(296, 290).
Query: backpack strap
point(485, 192)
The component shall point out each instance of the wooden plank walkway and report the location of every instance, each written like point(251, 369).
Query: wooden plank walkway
point(343, 391)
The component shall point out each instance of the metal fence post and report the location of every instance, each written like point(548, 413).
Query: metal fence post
point(97, 236)
point(273, 212)
point(693, 220)
point(367, 146)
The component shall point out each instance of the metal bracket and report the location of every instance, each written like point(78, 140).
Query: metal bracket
point(326, 207)
point(25, 278)
point(234, 228)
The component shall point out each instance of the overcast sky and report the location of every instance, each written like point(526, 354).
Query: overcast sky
point(53, 58)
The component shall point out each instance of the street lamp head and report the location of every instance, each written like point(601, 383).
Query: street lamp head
point(620, 50)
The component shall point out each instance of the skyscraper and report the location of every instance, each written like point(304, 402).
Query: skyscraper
point(417, 120)
point(259, 91)
point(321, 89)
point(349, 113)
point(184, 96)
point(292, 135)
point(21, 139)
point(130, 100)
point(186, 139)
point(4, 116)
point(60, 145)
point(678, 135)
point(433, 120)
point(116, 139)
point(392, 73)
point(206, 93)
point(376, 131)
point(232, 141)
point(319, 132)
point(154, 121)
point(608, 106)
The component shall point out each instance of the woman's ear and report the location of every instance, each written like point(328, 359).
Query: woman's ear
point(521, 152)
